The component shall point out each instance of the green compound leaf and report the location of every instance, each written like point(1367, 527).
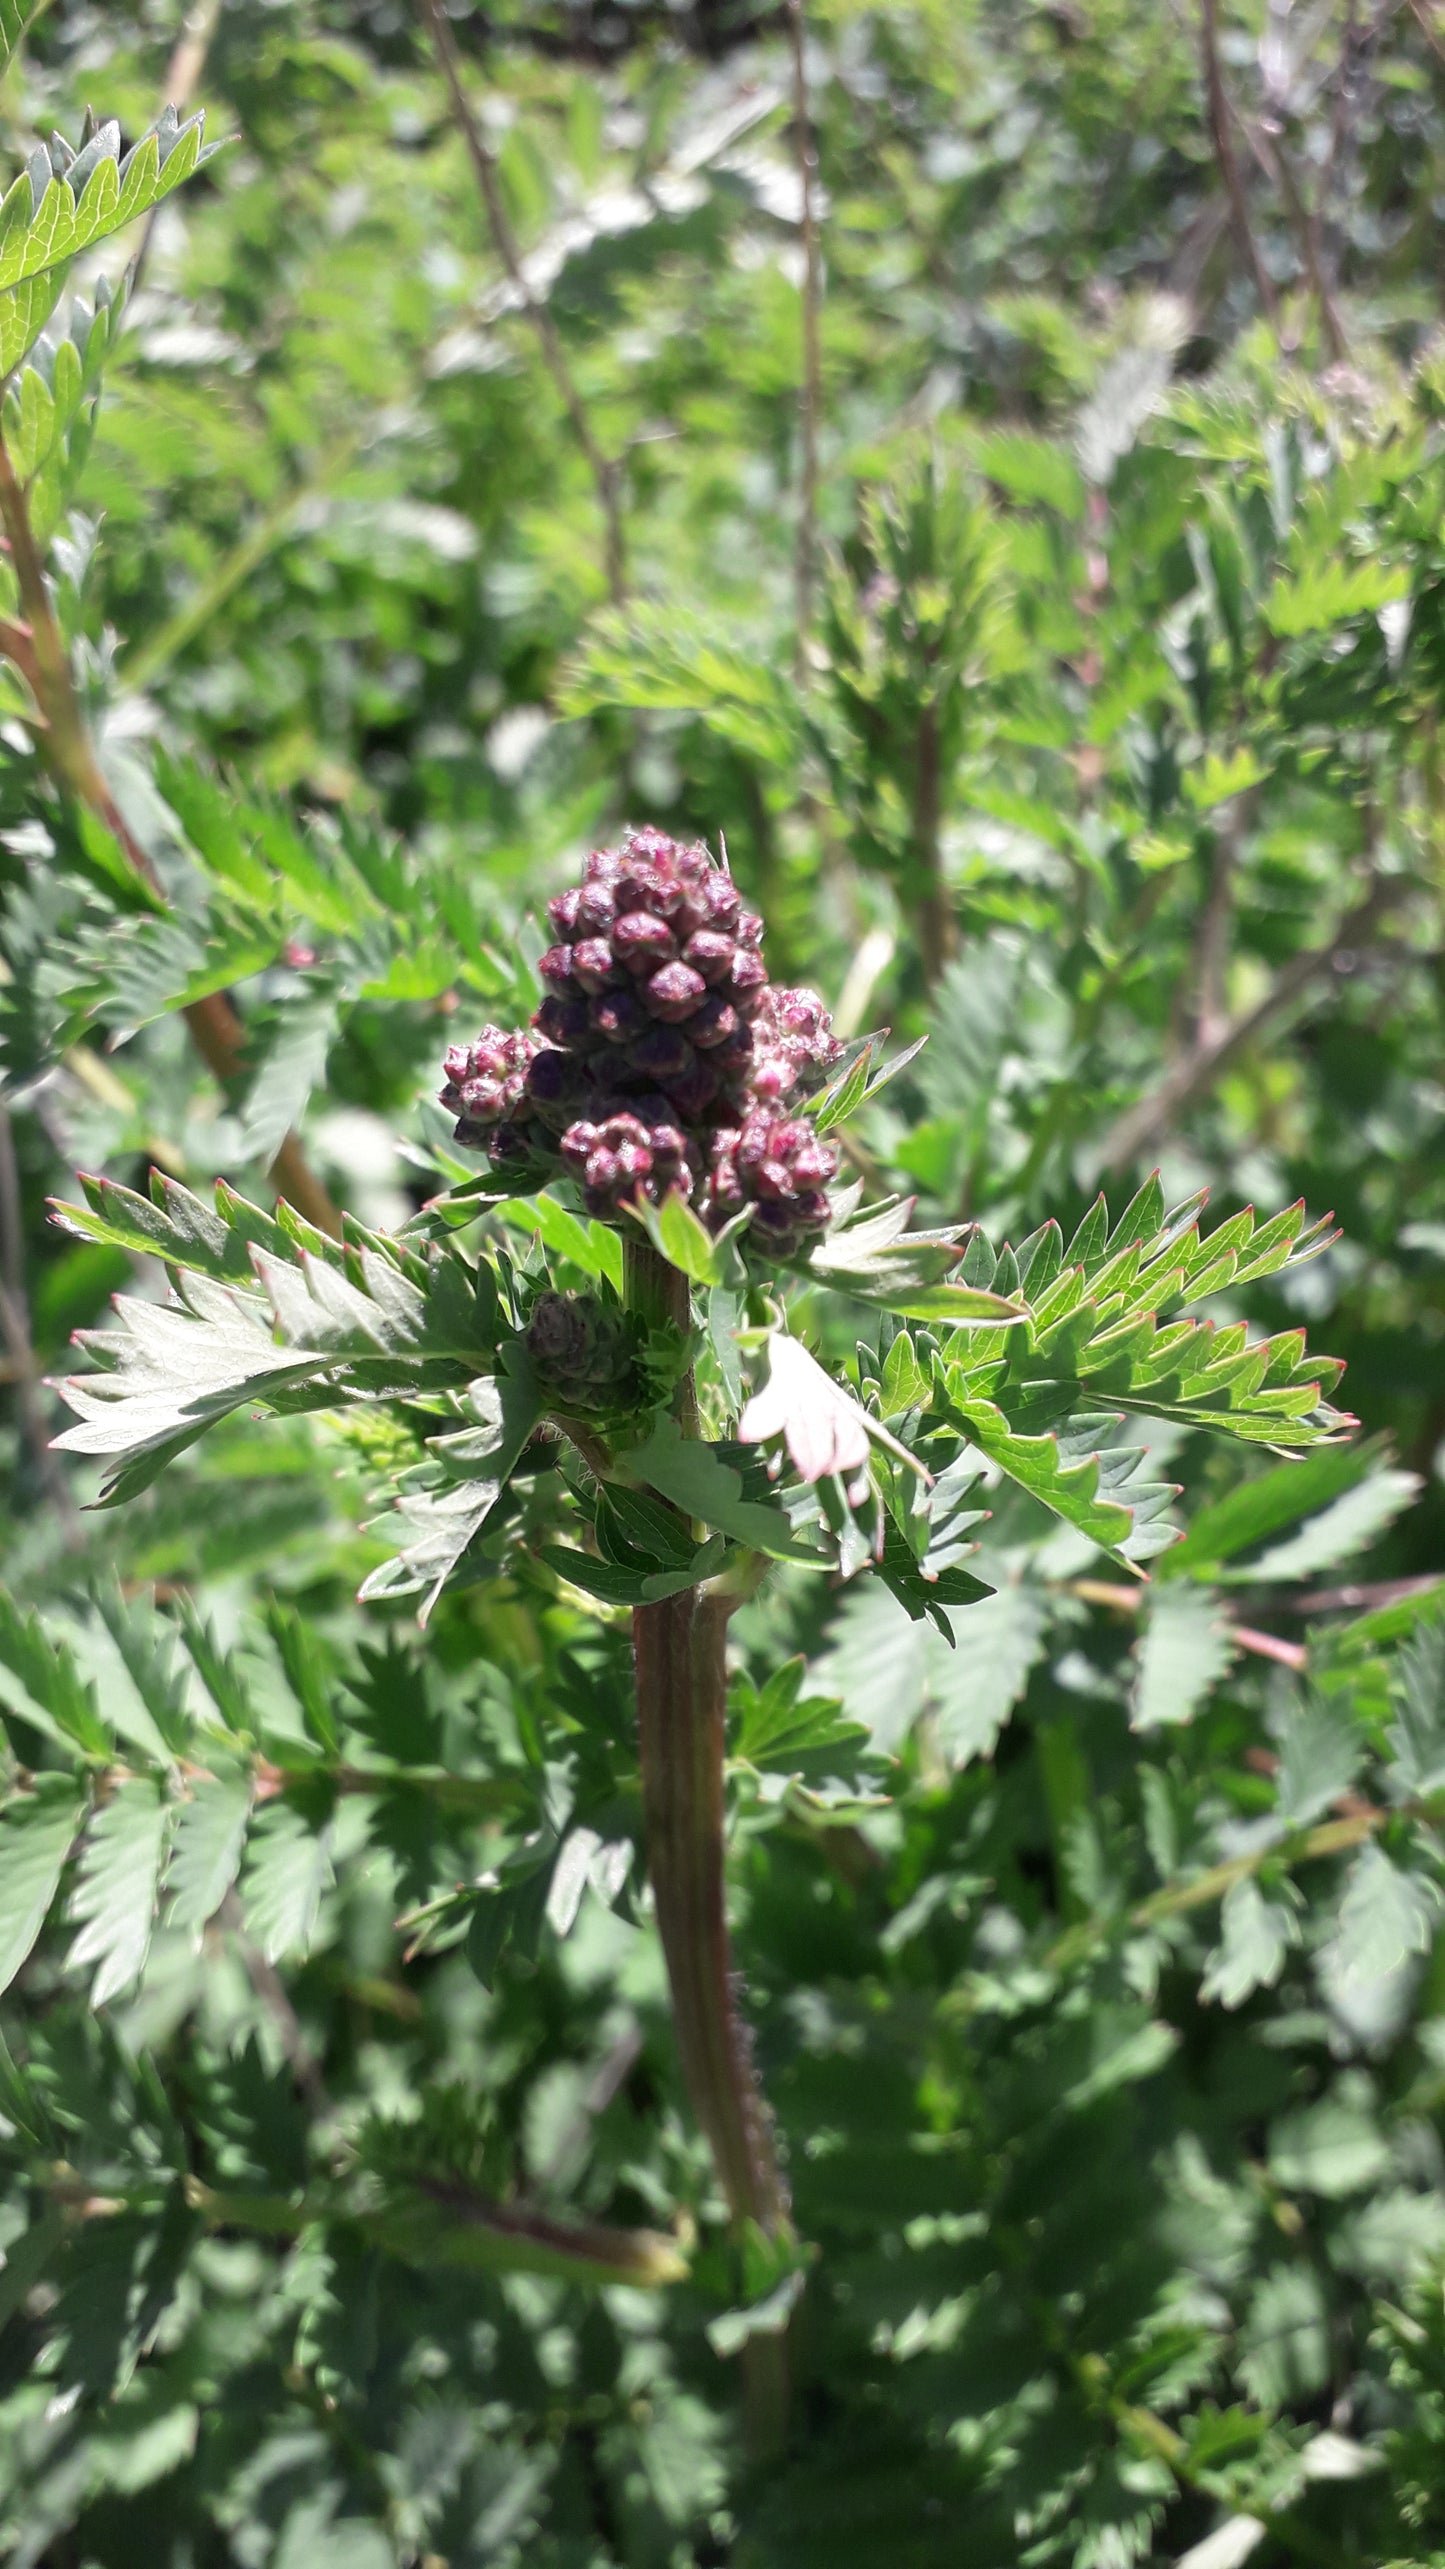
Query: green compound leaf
point(1183, 1651)
point(617, 1584)
point(778, 1726)
point(1092, 1484)
point(1044, 1400)
point(1386, 1915)
point(37, 1832)
point(114, 1900)
point(288, 1867)
point(1254, 1511)
point(476, 1463)
point(67, 201)
point(870, 1253)
point(320, 1324)
point(1256, 1936)
point(707, 1481)
point(210, 1832)
point(46, 1686)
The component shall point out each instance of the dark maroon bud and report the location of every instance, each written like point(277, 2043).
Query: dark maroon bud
point(512, 1142)
point(719, 899)
point(735, 1052)
point(712, 1023)
point(486, 1080)
point(594, 909)
point(663, 1053)
point(710, 953)
point(661, 1057)
point(674, 993)
point(562, 1021)
point(553, 1084)
point(635, 1160)
point(557, 1332)
point(604, 1168)
point(578, 1143)
point(694, 1089)
point(637, 888)
point(641, 940)
point(748, 977)
point(617, 1015)
point(647, 845)
point(593, 964)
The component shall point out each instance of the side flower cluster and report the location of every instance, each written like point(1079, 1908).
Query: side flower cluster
point(585, 1355)
point(662, 1057)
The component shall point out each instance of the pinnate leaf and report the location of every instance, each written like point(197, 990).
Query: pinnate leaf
point(37, 1831)
point(1183, 1650)
point(115, 1895)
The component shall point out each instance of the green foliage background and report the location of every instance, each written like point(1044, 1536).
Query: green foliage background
point(1092, 1943)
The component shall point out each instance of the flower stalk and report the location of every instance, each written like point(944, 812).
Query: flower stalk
point(680, 1656)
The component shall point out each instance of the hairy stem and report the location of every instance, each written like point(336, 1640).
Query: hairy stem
point(680, 1653)
point(680, 1658)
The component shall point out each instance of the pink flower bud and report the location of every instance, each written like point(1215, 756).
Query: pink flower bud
point(674, 992)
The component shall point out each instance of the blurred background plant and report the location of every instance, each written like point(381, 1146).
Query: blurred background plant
point(987, 464)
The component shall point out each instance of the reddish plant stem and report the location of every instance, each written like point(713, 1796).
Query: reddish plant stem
point(679, 1647)
point(680, 1654)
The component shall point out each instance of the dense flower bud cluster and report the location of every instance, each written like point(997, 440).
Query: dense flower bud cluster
point(779, 1165)
point(661, 1057)
point(486, 1089)
point(584, 1353)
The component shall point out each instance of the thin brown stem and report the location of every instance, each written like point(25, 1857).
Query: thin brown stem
point(183, 74)
point(1201, 1066)
point(1217, 104)
point(1273, 156)
point(810, 390)
point(605, 470)
point(63, 739)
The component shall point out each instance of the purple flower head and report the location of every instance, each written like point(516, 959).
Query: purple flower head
point(661, 1057)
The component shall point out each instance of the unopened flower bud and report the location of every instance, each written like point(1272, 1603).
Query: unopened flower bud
point(584, 1352)
point(674, 992)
